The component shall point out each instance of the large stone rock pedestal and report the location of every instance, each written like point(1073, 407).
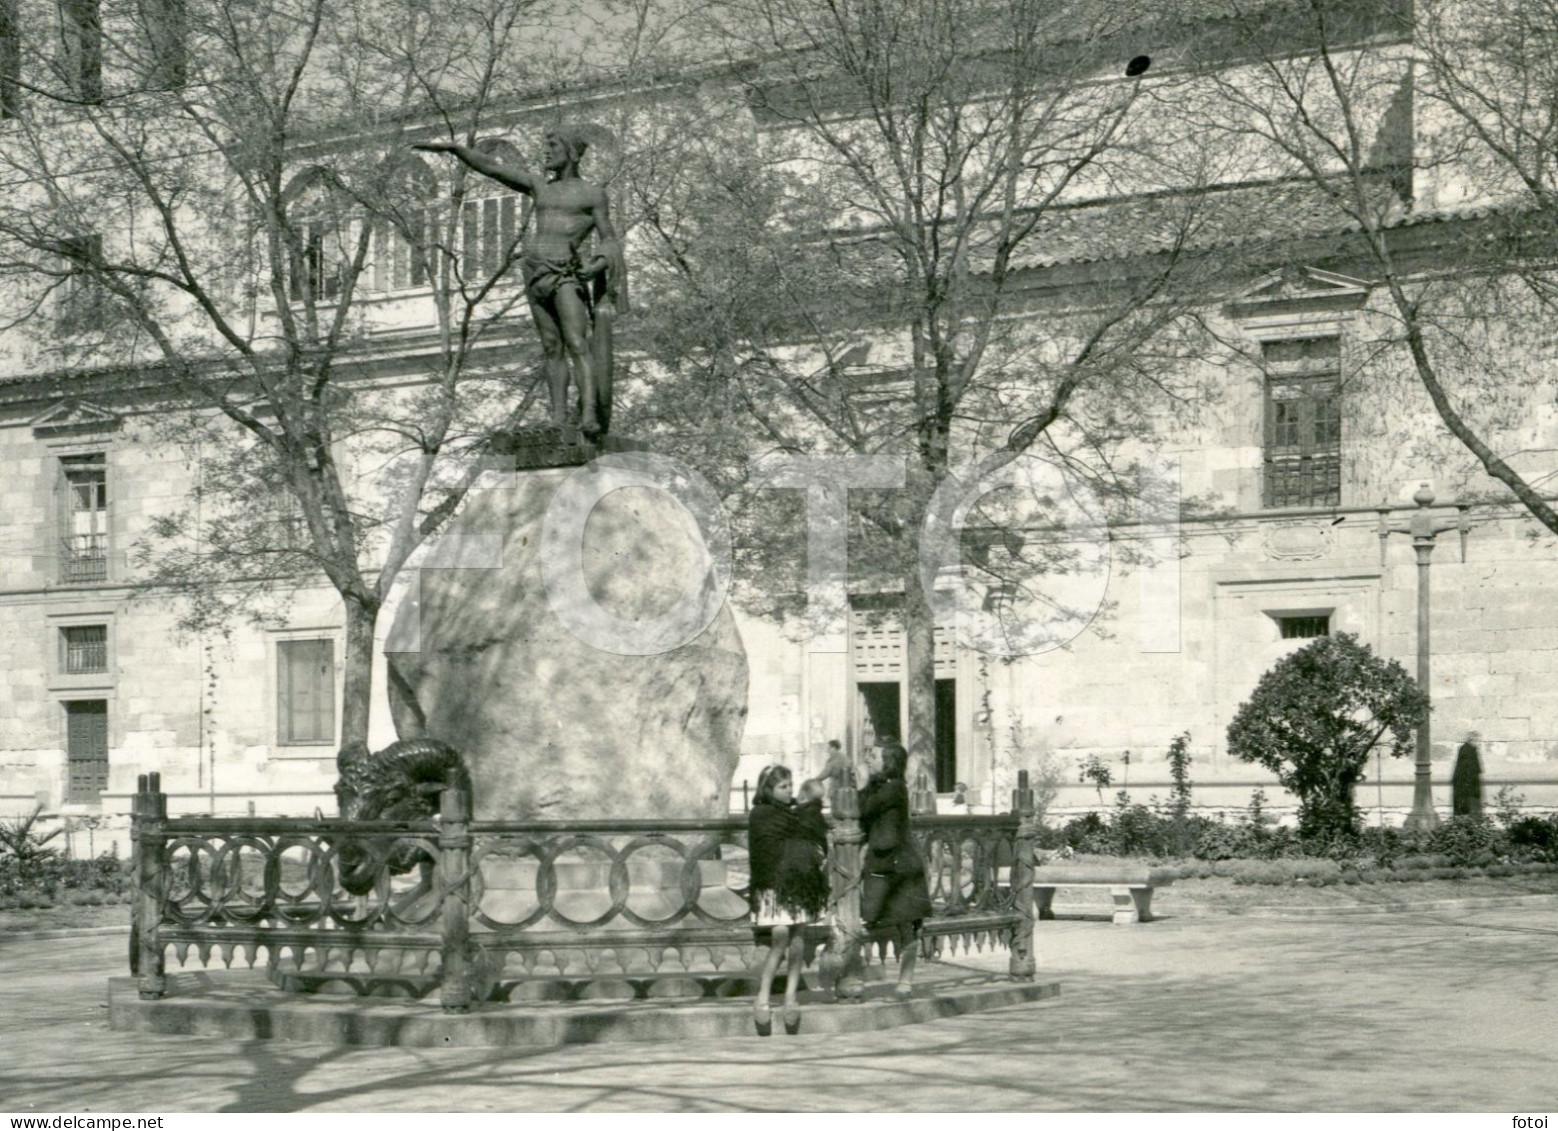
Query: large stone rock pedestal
point(552, 727)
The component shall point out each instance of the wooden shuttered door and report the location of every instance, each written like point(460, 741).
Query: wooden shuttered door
point(1303, 423)
point(86, 746)
point(305, 700)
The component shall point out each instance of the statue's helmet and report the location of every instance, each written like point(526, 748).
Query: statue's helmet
point(573, 141)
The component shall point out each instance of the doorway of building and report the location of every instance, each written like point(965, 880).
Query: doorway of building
point(881, 718)
point(86, 750)
point(946, 735)
point(880, 704)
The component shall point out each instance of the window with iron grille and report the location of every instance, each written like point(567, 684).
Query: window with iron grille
point(1303, 423)
point(305, 692)
point(84, 553)
point(85, 649)
point(86, 748)
point(1304, 628)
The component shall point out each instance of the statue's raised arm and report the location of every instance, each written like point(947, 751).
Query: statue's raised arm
point(521, 180)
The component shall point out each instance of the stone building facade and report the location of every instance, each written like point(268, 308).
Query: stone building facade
point(1292, 477)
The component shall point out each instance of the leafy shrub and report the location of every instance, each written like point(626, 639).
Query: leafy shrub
point(1087, 833)
point(1468, 840)
point(21, 841)
point(1255, 837)
point(1386, 845)
point(1094, 769)
point(1421, 862)
point(1179, 771)
point(1286, 870)
point(1506, 804)
point(1228, 842)
point(48, 878)
point(1346, 849)
point(1317, 715)
point(1134, 830)
point(1534, 838)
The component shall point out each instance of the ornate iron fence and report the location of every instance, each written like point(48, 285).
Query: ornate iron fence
point(528, 910)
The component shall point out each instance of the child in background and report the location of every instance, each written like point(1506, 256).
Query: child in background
point(812, 790)
point(960, 799)
point(834, 771)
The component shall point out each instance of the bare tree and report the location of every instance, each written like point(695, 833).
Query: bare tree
point(1398, 114)
point(221, 211)
point(848, 261)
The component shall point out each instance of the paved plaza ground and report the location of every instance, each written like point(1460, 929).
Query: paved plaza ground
point(1440, 1010)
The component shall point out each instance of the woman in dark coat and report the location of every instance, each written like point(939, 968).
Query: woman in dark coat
point(787, 845)
point(894, 898)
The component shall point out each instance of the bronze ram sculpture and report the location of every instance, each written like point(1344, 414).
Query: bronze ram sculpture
point(399, 783)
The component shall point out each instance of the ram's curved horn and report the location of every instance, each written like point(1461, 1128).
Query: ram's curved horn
point(398, 781)
point(416, 761)
point(351, 765)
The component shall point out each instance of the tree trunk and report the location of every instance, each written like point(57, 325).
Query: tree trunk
point(919, 684)
point(357, 690)
point(405, 709)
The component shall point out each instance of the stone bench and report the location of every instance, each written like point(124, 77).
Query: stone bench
point(1131, 887)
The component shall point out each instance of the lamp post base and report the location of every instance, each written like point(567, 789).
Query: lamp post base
point(1422, 818)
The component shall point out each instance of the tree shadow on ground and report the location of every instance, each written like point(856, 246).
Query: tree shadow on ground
point(1392, 1012)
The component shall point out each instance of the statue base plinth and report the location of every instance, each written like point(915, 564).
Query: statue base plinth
point(535, 449)
point(554, 727)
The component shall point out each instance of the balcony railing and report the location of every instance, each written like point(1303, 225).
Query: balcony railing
point(84, 558)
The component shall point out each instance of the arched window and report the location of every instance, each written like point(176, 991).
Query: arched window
point(489, 225)
point(315, 235)
point(405, 209)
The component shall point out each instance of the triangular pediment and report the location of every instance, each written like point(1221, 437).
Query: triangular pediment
point(71, 417)
point(1301, 286)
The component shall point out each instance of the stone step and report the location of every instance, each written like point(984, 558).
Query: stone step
point(244, 1006)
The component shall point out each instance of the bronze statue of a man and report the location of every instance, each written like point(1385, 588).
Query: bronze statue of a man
point(571, 294)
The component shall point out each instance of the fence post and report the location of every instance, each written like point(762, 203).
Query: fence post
point(453, 883)
point(1023, 967)
point(148, 839)
point(842, 963)
point(135, 875)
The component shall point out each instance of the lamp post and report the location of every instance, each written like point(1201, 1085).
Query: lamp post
point(1424, 529)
